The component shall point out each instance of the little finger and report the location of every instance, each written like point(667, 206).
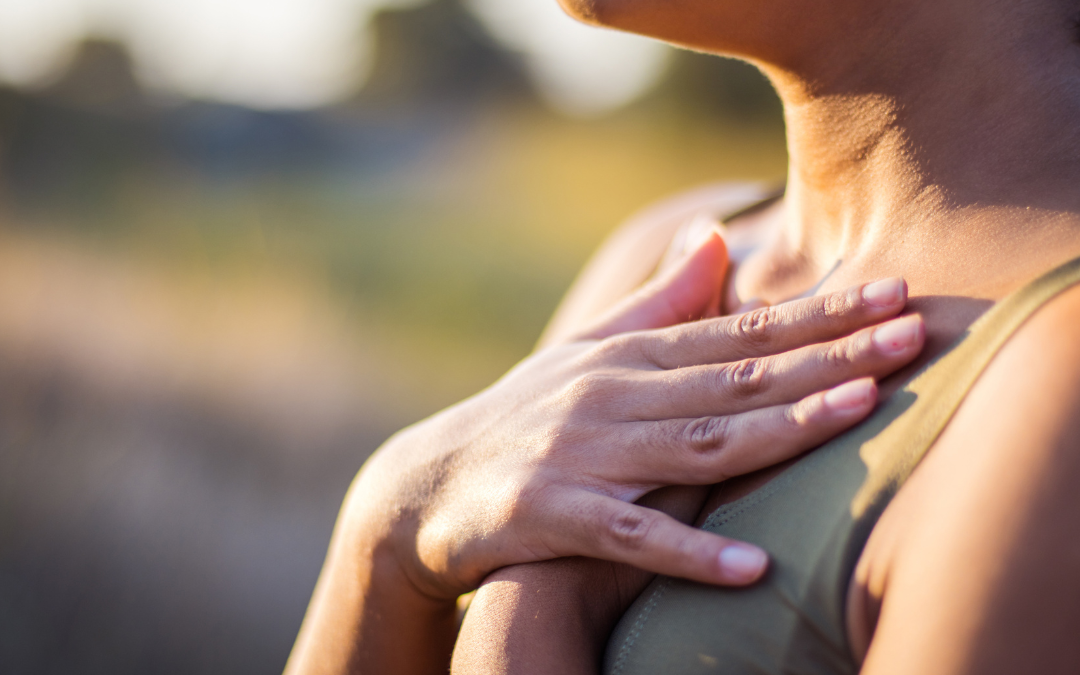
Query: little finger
point(609, 529)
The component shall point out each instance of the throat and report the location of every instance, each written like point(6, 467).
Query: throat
point(983, 252)
point(948, 152)
point(957, 263)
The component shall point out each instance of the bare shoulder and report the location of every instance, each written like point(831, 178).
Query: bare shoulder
point(976, 562)
point(632, 252)
point(1035, 376)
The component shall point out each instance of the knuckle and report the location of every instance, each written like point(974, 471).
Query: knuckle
point(708, 435)
point(629, 529)
point(654, 352)
point(524, 501)
point(754, 327)
point(742, 379)
point(598, 390)
point(831, 306)
point(797, 417)
point(838, 354)
point(528, 502)
point(615, 347)
point(643, 348)
point(591, 386)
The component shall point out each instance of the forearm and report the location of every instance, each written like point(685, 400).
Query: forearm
point(366, 616)
point(552, 617)
point(556, 616)
point(537, 466)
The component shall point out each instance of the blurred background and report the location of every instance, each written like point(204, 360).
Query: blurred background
point(243, 241)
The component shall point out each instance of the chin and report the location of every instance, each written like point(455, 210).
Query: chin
point(760, 30)
point(586, 11)
point(705, 25)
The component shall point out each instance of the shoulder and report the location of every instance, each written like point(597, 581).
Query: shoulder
point(981, 561)
point(714, 199)
point(634, 250)
point(1032, 387)
point(1025, 408)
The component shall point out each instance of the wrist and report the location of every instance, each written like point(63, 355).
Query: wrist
point(366, 609)
point(377, 526)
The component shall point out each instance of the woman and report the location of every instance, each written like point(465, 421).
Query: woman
point(547, 461)
point(933, 139)
point(938, 140)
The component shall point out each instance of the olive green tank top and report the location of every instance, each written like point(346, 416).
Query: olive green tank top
point(814, 520)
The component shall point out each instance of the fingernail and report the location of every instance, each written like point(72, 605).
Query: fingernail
point(850, 395)
point(742, 561)
point(884, 293)
point(897, 336)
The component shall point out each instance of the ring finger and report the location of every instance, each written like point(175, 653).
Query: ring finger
point(707, 450)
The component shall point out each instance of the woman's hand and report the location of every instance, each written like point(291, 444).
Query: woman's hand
point(548, 461)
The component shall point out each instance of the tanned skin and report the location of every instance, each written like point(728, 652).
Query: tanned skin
point(938, 140)
point(934, 140)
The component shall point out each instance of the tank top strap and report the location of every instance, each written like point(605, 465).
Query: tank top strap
point(920, 411)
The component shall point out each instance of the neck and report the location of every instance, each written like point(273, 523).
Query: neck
point(963, 127)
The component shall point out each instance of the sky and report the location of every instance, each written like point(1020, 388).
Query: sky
point(298, 54)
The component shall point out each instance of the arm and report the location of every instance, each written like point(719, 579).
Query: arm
point(365, 611)
point(981, 570)
point(555, 616)
point(547, 462)
point(366, 614)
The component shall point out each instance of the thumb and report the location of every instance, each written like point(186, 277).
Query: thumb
point(686, 291)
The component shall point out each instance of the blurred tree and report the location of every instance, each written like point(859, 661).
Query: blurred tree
point(438, 53)
point(100, 77)
point(68, 142)
point(153, 530)
point(719, 87)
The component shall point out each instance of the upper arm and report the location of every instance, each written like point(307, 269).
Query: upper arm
point(635, 249)
point(983, 569)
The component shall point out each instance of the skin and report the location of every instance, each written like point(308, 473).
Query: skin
point(548, 461)
point(937, 140)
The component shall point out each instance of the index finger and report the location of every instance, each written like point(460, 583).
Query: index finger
point(772, 330)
